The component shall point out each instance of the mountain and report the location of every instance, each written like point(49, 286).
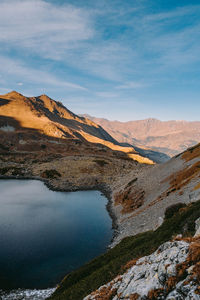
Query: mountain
point(154, 207)
point(169, 137)
point(44, 117)
point(155, 254)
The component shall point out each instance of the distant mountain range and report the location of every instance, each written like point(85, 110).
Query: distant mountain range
point(169, 137)
point(30, 120)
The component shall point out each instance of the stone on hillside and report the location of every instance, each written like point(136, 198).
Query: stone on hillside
point(149, 273)
point(197, 227)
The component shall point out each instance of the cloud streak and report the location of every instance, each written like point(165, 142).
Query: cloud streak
point(43, 28)
point(101, 51)
point(17, 68)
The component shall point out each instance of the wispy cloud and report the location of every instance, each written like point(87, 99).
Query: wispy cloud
point(43, 28)
point(15, 67)
point(100, 51)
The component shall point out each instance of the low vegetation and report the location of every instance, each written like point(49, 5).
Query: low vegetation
point(183, 177)
point(191, 153)
point(180, 219)
point(12, 170)
point(129, 199)
point(51, 174)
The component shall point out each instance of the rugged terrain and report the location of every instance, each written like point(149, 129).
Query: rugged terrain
point(39, 138)
point(30, 123)
point(169, 137)
point(159, 275)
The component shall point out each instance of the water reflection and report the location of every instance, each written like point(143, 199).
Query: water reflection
point(44, 234)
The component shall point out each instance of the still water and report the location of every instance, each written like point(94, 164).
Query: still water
point(45, 234)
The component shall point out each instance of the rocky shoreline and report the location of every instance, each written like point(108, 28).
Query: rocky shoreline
point(27, 294)
point(45, 293)
point(103, 188)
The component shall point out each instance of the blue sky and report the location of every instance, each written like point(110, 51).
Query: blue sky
point(122, 59)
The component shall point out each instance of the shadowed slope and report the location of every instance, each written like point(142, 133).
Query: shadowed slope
point(50, 118)
point(169, 137)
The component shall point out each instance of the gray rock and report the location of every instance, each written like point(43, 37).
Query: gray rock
point(150, 273)
point(197, 227)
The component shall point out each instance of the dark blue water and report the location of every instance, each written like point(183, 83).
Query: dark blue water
point(45, 234)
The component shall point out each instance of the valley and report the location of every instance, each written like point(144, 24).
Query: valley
point(169, 137)
point(40, 139)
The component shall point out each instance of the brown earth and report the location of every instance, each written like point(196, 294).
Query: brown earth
point(169, 137)
point(39, 138)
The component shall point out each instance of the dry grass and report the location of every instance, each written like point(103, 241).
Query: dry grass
point(154, 294)
point(134, 296)
point(197, 187)
point(129, 265)
point(105, 293)
point(130, 200)
point(179, 180)
point(183, 177)
point(191, 153)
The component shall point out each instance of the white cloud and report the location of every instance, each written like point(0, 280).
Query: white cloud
point(76, 37)
point(43, 28)
point(12, 67)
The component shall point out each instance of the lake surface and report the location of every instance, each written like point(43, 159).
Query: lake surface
point(45, 234)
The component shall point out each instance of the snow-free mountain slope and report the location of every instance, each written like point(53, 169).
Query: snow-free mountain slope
point(43, 116)
point(169, 137)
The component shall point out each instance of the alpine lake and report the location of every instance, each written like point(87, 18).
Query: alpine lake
point(46, 234)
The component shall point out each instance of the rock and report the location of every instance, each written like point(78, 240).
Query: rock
point(184, 292)
point(149, 273)
point(197, 227)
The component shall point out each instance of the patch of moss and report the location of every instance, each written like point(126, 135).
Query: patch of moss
point(104, 268)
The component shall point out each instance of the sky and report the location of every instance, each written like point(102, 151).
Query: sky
point(120, 60)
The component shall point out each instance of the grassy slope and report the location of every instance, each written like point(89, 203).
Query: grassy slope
point(76, 285)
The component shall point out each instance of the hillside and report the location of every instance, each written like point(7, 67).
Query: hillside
point(151, 206)
point(169, 137)
point(39, 118)
point(41, 139)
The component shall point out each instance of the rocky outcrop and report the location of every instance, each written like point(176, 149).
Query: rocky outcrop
point(171, 272)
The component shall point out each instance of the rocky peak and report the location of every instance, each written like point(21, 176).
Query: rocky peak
point(13, 95)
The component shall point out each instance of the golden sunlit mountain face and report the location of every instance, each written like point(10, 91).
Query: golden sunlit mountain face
point(47, 117)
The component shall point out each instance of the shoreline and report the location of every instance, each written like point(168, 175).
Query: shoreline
point(103, 188)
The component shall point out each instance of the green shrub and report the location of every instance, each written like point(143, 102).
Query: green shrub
point(171, 210)
point(81, 282)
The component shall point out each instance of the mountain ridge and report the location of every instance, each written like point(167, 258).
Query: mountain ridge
point(169, 137)
point(51, 118)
